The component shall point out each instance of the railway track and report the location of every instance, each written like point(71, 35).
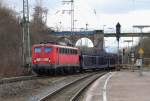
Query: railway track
point(21, 78)
point(18, 79)
point(70, 91)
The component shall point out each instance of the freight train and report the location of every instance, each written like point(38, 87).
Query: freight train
point(50, 58)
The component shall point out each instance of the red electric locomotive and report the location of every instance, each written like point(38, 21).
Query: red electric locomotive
point(51, 58)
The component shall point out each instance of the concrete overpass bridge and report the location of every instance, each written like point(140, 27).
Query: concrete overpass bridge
point(96, 36)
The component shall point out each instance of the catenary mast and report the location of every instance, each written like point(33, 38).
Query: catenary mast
point(26, 55)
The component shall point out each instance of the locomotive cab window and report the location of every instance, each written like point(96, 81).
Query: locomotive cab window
point(47, 49)
point(37, 50)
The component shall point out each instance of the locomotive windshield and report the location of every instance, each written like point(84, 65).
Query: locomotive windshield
point(47, 49)
point(37, 50)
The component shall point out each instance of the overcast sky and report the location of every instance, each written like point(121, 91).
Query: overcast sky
point(94, 12)
point(98, 14)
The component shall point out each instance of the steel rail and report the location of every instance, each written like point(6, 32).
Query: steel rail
point(47, 97)
point(77, 95)
point(65, 86)
point(18, 79)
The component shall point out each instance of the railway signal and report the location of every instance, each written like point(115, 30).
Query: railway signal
point(118, 26)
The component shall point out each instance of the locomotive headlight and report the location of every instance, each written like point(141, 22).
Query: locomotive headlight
point(34, 60)
point(49, 60)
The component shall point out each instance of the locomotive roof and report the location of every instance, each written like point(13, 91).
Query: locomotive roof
point(48, 44)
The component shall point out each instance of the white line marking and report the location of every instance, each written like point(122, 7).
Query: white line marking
point(89, 94)
point(105, 87)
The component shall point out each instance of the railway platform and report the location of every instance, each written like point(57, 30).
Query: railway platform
point(120, 86)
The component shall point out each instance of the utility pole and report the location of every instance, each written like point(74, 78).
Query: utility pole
point(71, 2)
point(26, 55)
point(72, 15)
